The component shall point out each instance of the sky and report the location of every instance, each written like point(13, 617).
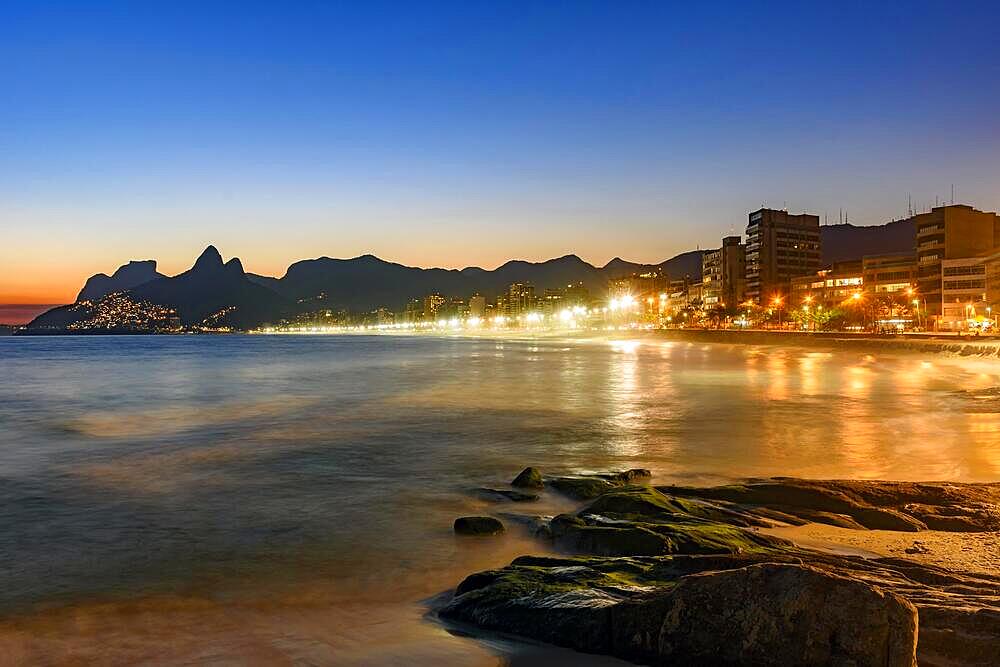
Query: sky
point(470, 133)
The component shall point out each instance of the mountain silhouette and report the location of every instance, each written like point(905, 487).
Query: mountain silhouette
point(366, 282)
point(211, 287)
point(846, 241)
point(126, 277)
point(221, 294)
point(209, 293)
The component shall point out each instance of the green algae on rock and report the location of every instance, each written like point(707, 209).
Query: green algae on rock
point(478, 525)
point(530, 478)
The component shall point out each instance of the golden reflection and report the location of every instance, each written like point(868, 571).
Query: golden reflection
point(777, 377)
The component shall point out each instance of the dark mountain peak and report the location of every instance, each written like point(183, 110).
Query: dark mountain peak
point(125, 277)
point(567, 260)
point(135, 267)
point(209, 259)
point(235, 266)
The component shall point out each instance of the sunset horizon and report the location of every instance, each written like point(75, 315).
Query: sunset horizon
point(499, 334)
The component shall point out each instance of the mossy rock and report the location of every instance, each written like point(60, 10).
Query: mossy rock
point(581, 488)
point(682, 534)
point(653, 611)
point(507, 494)
point(478, 526)
point(529, 478)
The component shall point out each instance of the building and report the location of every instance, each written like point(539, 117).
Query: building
point(553, 300)
point(948, 233)
point(477, 306)
point(829, 288)
point(640, 286)
point(963, 292)
point(520, 299)
point(723, 274)
point(780, 246)
point(890, 273)
point(432, 305)
point(414, 311)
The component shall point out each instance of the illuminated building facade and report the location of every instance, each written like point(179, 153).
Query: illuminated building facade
point(780, 246)
point(433, 303)
point(520, 299)
point(950, 233)
point(830, 287)
point(723, 274)
point(890, 273)
point(477, 305)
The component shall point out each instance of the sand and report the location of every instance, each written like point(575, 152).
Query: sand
point(969, 552)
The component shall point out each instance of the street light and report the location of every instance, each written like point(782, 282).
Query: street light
point(776, 302)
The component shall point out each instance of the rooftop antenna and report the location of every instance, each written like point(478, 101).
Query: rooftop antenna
point(952, 194)
point(909, 204)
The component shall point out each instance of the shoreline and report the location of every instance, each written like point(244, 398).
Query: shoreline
point(879, 572)
point(919, 343)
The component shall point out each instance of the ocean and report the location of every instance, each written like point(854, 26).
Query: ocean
point(289, 499)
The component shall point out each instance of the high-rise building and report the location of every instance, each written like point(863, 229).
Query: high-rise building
point(520, 299)
point(780, 246)
point(723, 274)
point(950, 233)
point(477, 305)
point(553, 300)
point(414, 311)
point(432, 305)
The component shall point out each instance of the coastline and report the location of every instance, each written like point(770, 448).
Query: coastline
point(961, 346)
point(874, 572)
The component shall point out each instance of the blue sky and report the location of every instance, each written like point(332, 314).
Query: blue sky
point(453, 134)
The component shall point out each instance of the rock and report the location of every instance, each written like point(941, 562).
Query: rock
point(507, 494)
point(785, 615)
point(478, 525)
point(676, 575)
point(530, 478)
point(588, 487)
point(768, 614)
point(876, 505)
point(581, 488)
point(572, 534)
point(628, 476)
point(641, 521)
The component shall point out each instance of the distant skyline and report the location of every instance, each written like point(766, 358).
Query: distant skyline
point(457, 134)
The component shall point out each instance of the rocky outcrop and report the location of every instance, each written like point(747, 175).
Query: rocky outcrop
point(641, 521)
point(586, 487)
point(784, 615)
point(478, 525)
point(905, 506)
point(530, 478)
point(686, 578)
point(649, 612)
point(507, 494)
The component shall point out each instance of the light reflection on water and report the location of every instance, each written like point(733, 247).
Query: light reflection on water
point(198, 499)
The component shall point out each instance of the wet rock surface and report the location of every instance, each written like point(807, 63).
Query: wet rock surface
point(507, 494)
point(529, 478)
point(478, 525)
point(905, 506)
point(587, 487)
point(681, 575)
